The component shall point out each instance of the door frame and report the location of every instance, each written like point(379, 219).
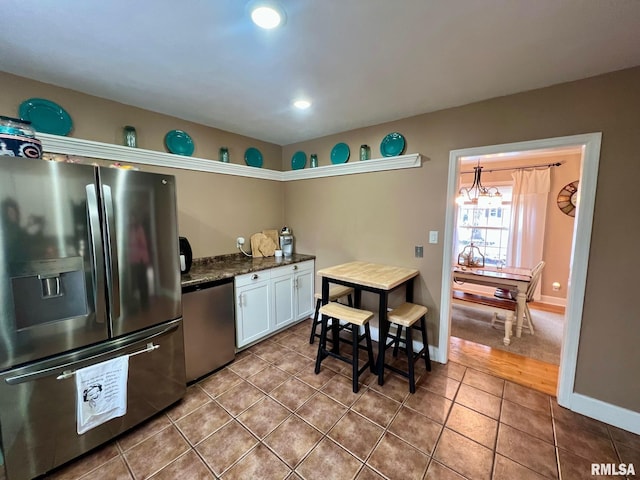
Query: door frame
point(590, 143)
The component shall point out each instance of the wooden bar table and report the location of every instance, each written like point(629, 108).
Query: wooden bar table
point(370, 277)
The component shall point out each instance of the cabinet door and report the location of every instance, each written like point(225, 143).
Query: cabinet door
point(303, 288)
point(283, 307)
point(252, 313)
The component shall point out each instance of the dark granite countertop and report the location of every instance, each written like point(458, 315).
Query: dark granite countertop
point(210, 269)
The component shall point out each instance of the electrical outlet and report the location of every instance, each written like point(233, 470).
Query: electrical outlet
point(433, 236)
point(419, 251)
point(239, 242)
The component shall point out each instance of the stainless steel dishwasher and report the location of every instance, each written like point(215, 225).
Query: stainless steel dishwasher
point(209, 327)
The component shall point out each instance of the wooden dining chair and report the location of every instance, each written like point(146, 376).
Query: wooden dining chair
point(505, 294)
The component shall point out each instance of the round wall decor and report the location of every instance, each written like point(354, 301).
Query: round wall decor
point(568, 198)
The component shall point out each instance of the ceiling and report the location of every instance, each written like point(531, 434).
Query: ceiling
point(361, 62)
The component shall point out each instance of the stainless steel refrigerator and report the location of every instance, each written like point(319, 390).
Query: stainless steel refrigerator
point(89, 271)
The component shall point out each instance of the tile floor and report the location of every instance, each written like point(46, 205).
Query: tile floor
point(267, 415)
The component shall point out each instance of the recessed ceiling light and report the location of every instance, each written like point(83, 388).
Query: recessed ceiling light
point(267, 14)
point(302, 104)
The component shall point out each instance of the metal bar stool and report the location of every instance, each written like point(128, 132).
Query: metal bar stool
point(335, 293)
point(354, 318)
point(406, 316)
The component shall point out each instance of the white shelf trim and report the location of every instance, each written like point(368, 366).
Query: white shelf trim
point(119, 153)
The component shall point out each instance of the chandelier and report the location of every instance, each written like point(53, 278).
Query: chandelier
point(479, 195)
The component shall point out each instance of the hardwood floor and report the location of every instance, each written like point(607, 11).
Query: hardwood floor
point(525, 371)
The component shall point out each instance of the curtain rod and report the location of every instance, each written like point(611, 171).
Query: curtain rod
point(542, 165)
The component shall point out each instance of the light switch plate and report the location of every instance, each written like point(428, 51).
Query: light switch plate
point(419, 251)
point(433, 236)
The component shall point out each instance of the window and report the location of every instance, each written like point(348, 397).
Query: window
point(487, 228)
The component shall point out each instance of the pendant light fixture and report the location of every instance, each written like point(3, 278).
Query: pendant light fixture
point(478, 194)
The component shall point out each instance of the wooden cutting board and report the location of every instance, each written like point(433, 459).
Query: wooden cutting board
point(256, 240)
point(273, 235)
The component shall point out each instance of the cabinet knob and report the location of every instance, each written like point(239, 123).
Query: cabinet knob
point(254, 276)
point(295, 267)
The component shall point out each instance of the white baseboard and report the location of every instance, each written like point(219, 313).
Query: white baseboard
point(417, 346)
point(549, 300)
point(605, 412)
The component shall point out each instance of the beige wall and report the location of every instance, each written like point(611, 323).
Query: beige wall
point(381, 216)
point(213, 209)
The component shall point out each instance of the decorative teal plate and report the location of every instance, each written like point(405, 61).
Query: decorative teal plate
point(340, 153)
point(299, 160)
point(46, 116)
point(179, 142)
point(392, 145)
point(253, 157)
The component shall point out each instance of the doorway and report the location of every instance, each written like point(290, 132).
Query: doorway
point(590, 145)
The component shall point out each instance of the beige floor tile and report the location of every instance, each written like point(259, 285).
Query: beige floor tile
point(293, 393)
point(321, 411)
point(437, 471)
point(239, 398)
point(484, 381)
point(294, 362)
point(273, 352)
point(193, 399)
point(529, 421)
point(225, 447)
point(440, 384)
point(630, 455)
point(450, 369)
point(624, 437)
point(368, 474)
point(573, 467)
point(143, 431)
point(429, 404)
point(114, 469)
point(188, 466)
point(258, 463)
point(86, 463)
point(575, 420)
point(585, 444)
point(248, 365)
point(356, 434)
point(339, 388)
point(397, 460)
point(316, 380)
point(506, 469)
point(395, 387)
point(329, 461)
point(416, 429)
point(156, 452)
point(527, 397)
point(264, 416)
point(292, 440)
point(464, 456)
point(269, 378)
point(473, 425)
point(479, 400)
point(376, 407)
point(526, 450)
point(202, 422)
point(219, 382)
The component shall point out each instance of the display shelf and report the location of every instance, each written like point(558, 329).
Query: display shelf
point(117, 153)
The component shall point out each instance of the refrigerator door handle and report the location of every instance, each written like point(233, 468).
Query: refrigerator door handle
point(68, 368)
point(149, 348)
point(96, 251)
point(113, 277)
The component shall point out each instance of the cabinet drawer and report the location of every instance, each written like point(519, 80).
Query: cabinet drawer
point(292, 269)
point(253, 277)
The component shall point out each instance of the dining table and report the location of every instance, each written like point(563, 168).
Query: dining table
point(376, 278)
point(510, 278)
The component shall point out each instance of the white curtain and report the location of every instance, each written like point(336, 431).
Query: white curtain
point(528, 216)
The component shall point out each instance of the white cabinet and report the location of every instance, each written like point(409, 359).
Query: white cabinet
point(270, 300)
point(253, 304)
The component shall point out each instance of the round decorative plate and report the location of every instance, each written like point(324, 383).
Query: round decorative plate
point(46, 116)
point(392, 145)
point(567, 200)
point(253, 157)
point(299, 160)
point(179, 142)
point(340, 153)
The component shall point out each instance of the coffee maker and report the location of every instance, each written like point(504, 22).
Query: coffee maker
point(286, 241)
